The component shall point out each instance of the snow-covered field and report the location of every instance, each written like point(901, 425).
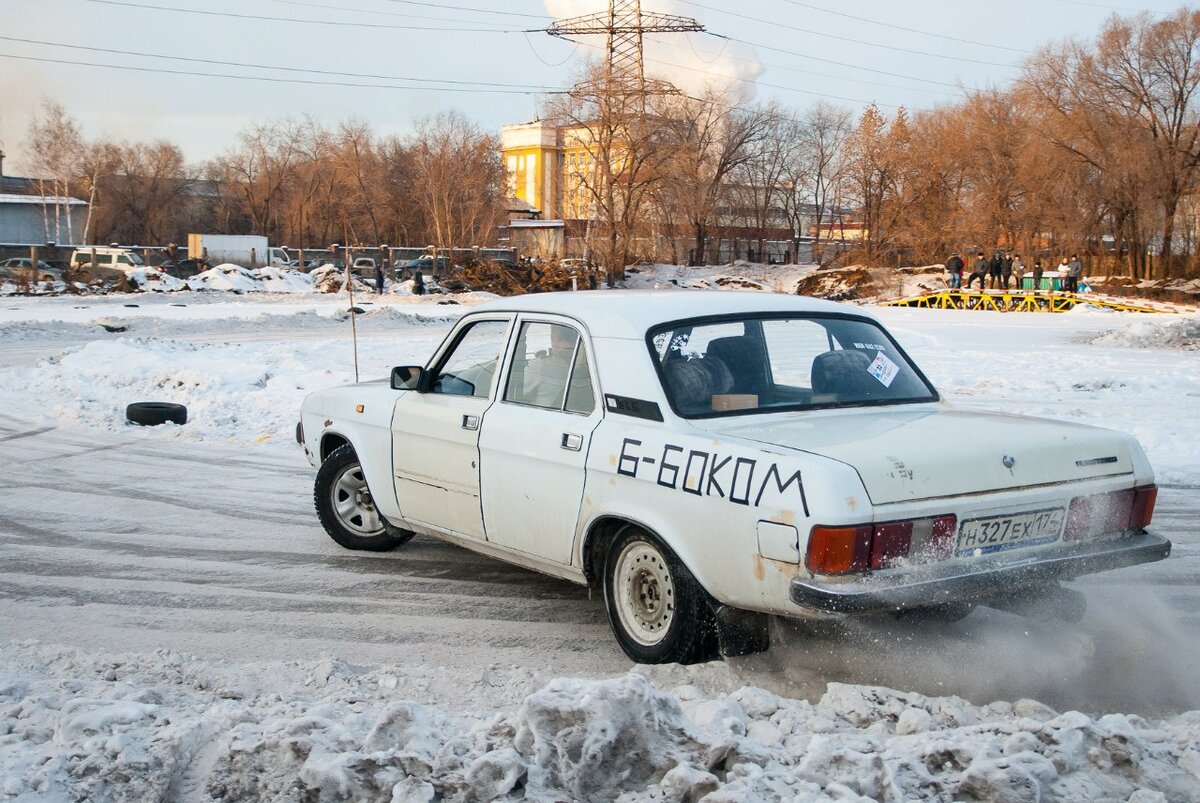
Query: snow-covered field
point(176, 626)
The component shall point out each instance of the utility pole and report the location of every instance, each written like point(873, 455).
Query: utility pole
point(620, 97)
point(625, 26)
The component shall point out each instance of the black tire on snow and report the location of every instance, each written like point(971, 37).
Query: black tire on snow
point(351, 529)
point(151, 414)
point(689, 634)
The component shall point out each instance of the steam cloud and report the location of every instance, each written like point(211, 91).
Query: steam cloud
point(693, 62)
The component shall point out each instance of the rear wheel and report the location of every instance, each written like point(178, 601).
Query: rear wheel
point(657, 610)
point(346, 508)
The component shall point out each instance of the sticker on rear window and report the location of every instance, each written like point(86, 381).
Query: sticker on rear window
point(883, 369)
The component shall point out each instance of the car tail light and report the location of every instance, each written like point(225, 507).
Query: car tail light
point(1108, 513)
point(846, 550)
point(890, 542)
point(839, 550)
point(1143, 506)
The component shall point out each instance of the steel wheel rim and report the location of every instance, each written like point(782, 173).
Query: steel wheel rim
point(645, 593)
point(352, 503)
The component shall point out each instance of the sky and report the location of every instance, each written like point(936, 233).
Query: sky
point(915, 53)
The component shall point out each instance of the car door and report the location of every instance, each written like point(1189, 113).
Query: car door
point(535, 440)
point(435, 434)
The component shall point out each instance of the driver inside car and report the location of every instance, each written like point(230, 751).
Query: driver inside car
point(546, 374)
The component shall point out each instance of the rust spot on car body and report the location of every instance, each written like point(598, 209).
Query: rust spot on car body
point(785, 517)
point(328, 423)
point(851, 503)
point(760, 569)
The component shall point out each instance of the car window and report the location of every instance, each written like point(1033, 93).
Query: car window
point(783, 363)
point(468, 369)
point(542, 363)
point(580, 396)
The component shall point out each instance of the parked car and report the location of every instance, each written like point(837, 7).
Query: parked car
point(100, 256)
point(25, 269)
point(182, 268)
point(707, 459)
point(425, 264)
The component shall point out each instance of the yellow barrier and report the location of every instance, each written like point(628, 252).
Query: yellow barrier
point(1016, 301)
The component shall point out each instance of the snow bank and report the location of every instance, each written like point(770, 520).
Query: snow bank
point(1155, 333)
point(153, 280)
point(168, 726)
point(226, 277)
point(247, 392)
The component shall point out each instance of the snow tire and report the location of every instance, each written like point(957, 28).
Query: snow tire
point(658, 612)
point(346, 509)
point(151, 414)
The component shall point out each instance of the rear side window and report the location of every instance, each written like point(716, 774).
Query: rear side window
point(769, 363)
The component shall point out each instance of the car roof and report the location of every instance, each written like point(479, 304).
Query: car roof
point(631, 313)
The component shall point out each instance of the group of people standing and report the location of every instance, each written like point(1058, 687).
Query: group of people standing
point(1002, 267)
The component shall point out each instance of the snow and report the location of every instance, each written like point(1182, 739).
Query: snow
point(144, 727)
point(114, 716)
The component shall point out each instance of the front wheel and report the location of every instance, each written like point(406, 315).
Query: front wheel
point(346, 508)
point(657, 610)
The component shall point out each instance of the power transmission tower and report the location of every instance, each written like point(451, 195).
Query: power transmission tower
point(625, 25)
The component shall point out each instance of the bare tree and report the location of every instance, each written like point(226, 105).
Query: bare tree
point(55, 152)
point(709, 138)
point(458, 179)
point(815, 168)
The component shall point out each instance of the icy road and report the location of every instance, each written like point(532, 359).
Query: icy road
point(182, 570)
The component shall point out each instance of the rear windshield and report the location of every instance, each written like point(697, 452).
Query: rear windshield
point(762, 364)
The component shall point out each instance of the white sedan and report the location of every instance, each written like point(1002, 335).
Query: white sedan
point(709, 459)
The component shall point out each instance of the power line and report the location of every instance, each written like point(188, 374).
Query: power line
point(378, 12)
point(902, 28)
point(786, 52)
point(271, 79)
point(1102, 5)
point(220, 63)
point(754, 81)
point(468, 8)
point(304, 21)
point(778, 24)
point(798, 70)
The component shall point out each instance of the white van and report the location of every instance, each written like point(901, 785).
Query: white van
point(105, 256)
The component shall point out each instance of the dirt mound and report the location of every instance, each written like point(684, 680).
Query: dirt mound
point(1176, 291)
point(839, 284)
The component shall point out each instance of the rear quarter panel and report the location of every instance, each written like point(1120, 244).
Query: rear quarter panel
point(705, 496)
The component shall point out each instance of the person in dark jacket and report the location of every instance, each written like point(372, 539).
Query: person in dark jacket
point(994, 268)
point(954, 267)
point(379, 280)
point(1037, 275)
point(1006, 269)
point(1074, 274)
point(979, 271)
point(418, 283)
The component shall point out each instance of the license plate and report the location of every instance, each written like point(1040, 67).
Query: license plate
point(997, 533)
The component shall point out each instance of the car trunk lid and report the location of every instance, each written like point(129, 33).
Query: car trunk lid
point(912, 454)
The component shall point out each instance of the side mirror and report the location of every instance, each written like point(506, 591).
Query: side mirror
point(407, 377)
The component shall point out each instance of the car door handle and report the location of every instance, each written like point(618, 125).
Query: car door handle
point(572, 443)
point(470, 422)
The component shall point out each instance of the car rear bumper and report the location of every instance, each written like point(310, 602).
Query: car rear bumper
point(929, 586)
